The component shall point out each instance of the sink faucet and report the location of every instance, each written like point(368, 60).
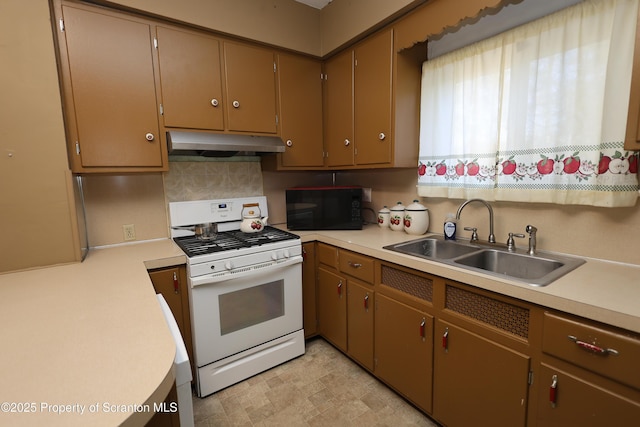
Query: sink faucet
point(532, 239)
point(492, 237)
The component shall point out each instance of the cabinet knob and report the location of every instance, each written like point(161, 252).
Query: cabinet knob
point(289, 143)
point(235, 104)
point(214, 102)
point(381, 136)
point(347, 142)
point(150, 137)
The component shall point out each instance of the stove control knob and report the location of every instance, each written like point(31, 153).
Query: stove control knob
point(228, 265)
point(286, 253)
point(274, 256)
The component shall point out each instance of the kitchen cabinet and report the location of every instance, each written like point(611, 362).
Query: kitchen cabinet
point(172, 284)
point(107, 67)
point(332, 307)
point(309, 307)
point(488, 380)
point(346, 299)
point(358, 104)
point(371, 106)
point(250, 88)
point(300, 96)
point(190, 79)
point(338, 110)
point(404, 349)
point(588, 374)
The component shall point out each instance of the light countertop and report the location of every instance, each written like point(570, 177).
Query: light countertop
point(91, 336)
point(86, 337)
point(604, 291)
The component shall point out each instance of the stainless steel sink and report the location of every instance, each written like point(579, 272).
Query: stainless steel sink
point(537, 270)
point(434, 248)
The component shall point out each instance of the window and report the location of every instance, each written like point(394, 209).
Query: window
point(535, 114)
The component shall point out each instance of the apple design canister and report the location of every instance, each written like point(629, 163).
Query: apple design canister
point(384, 216)
point(416, 218)
point(396, 220)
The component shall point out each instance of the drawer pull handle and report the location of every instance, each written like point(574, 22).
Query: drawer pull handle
point(354, 264)
point(592, 347)
point(553, 391)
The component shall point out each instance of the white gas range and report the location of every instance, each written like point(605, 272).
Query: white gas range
point(245, 292)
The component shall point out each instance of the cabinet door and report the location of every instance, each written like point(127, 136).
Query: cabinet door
point(332, 308)
point(487, 380)
point(360, 311)
point(190, 79)
point(172, 284)
point(113, 93)
point(338, 109)
point(404, 349)
point(309, 309)
point(300, 110)
point(372, 99)
point(250, 88)
point(581, 403)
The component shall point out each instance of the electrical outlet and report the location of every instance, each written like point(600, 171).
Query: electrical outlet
point(129, 232)
point(366, 195)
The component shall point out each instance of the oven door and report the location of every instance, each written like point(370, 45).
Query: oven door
point(249, 309)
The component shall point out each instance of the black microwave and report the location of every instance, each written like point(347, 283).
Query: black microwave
point(324, 208)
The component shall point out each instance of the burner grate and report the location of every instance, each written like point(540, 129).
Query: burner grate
point(230, 240)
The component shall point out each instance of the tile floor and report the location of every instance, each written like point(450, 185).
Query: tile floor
point(321, 388)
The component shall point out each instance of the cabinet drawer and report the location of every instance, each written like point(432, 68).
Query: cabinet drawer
point(327, 255)
point(603, 351)
point(356, 265)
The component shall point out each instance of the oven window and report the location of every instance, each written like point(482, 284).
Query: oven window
point(247, 307)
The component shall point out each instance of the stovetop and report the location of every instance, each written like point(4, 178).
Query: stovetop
point(232, 240)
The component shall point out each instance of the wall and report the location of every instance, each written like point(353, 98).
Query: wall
point(37, 209)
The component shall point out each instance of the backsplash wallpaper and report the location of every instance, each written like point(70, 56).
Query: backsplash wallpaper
point(193, 180)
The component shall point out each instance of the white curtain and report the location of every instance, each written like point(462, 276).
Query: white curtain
point(535, 114)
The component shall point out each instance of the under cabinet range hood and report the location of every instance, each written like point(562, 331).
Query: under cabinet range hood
point(212, 144)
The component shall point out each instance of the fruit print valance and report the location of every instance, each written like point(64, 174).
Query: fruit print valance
point(535, 114)
point(576, 176)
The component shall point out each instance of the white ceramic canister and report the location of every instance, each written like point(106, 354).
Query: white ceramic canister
point(416, 218)
point(384, 215)
point(397, 217)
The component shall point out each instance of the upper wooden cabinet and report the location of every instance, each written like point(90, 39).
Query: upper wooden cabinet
point(190, 79)
point(107, 66)
point(300, 91)
point(250, 88)
point(371, 106)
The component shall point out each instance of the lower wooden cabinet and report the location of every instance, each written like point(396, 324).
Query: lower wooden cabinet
point(332, 307)
point(404, 350)
point(568, 398)
point(477, 379)
point(360, 310)
point(172, 284)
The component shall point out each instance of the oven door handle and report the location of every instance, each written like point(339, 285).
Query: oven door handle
point(209, 279)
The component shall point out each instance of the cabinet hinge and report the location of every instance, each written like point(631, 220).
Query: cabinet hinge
point(161, 110)
point(530, 378)
point(274, 67)
point(61, 25)
point(77, 148)
point(277, 120)
point(155, 42)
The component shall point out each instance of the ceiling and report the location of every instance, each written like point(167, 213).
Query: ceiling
point(318, 4)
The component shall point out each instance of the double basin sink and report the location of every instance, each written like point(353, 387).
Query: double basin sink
point(538, 270)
